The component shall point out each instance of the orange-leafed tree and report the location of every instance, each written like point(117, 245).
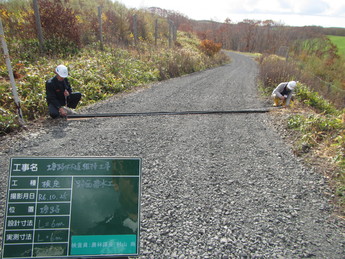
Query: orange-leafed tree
point(210, 48)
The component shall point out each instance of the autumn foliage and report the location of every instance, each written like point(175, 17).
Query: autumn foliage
point(60, 27)
point(210, 48)
point(59, 21)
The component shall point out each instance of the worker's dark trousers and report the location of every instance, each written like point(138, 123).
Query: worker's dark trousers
point(72, 102)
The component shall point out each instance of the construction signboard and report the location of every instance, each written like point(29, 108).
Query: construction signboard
point(72, 207)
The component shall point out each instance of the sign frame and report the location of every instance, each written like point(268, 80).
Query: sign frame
point(42, 192)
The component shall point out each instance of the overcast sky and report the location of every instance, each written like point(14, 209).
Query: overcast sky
point(325, 13)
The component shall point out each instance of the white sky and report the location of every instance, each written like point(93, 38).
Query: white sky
point(325, 13)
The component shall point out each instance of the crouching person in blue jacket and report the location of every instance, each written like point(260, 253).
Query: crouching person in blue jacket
point(60, 97)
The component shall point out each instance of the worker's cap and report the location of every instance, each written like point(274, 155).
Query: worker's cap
point(291, 85)
point(62, 71)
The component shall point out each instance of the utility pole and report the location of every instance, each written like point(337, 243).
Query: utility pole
point(10, 74)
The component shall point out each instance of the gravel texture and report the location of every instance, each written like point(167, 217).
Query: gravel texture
point(213, 186)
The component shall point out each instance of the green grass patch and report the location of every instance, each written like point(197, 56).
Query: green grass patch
point(314, 100)
point(339, 41)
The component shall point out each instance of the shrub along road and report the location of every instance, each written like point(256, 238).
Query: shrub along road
point(213, 186)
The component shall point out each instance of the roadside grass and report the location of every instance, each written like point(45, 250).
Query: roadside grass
point(319, 141)
point(322, 132)
point(101, 74)
point(317, 131)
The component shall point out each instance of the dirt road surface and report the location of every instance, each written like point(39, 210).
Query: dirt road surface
point(213, 186)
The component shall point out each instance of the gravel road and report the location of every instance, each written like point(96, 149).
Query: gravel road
point(213, 186)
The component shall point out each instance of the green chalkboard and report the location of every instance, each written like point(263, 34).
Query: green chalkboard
point(72, 207)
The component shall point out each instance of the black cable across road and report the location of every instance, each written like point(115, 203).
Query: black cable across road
point(98, 115)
